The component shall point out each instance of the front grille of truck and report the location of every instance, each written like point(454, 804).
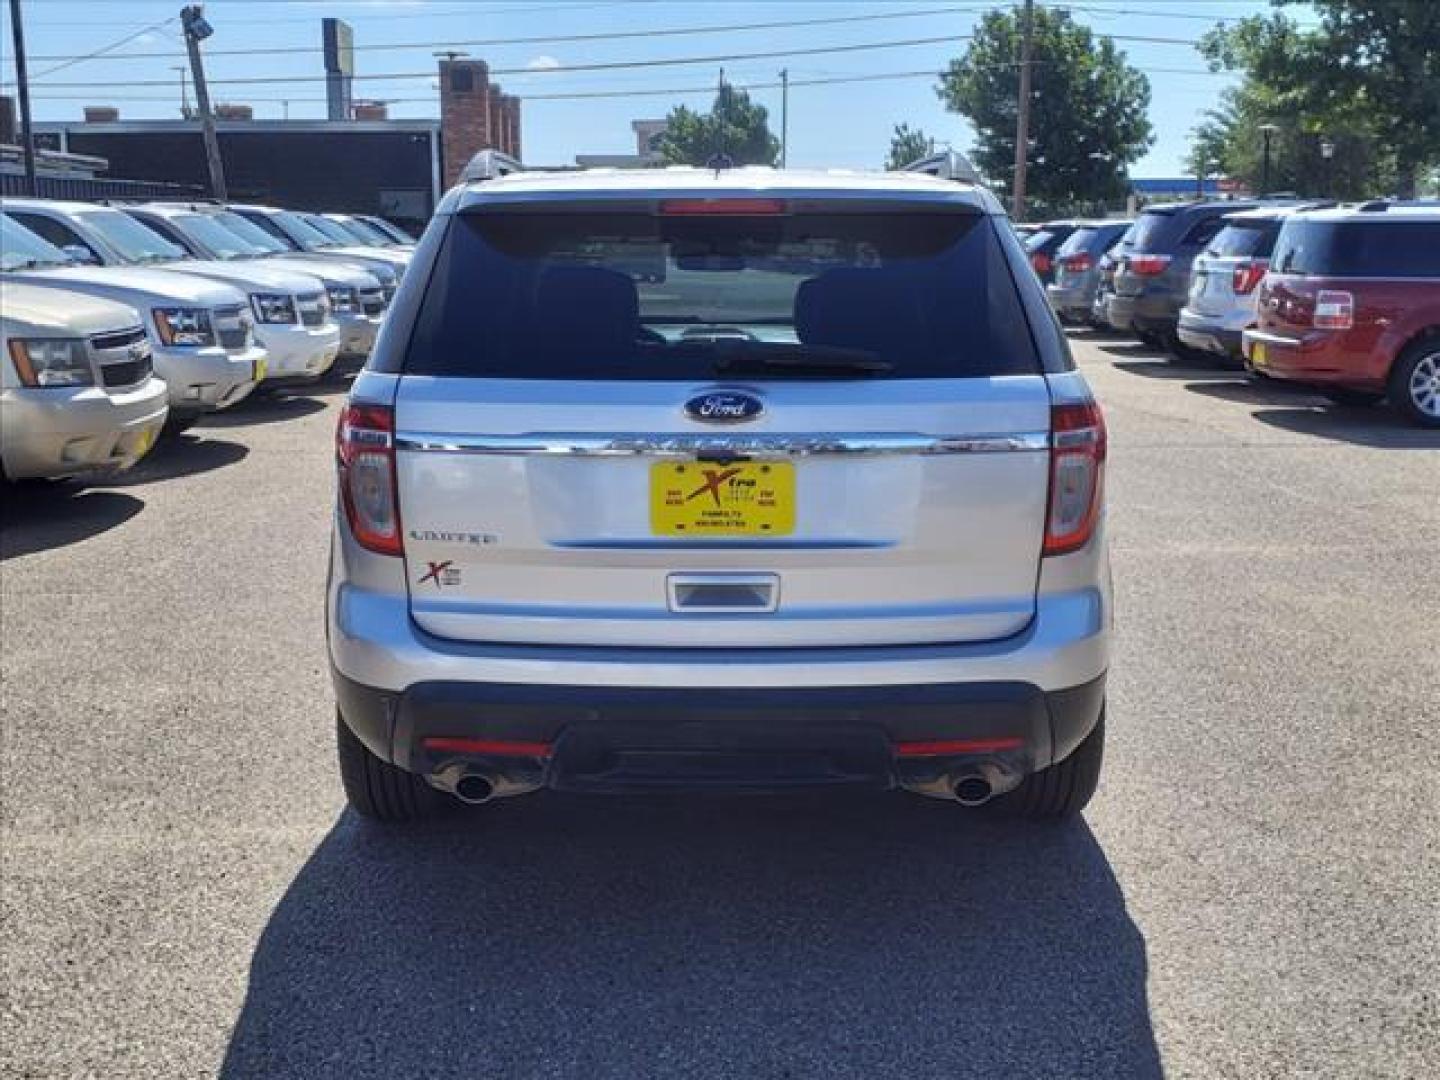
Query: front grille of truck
point(232, 328)
point(372, 301)
point(312, 310)
point(123, 357)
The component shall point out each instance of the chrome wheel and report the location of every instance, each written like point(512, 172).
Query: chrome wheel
point(1425, 385)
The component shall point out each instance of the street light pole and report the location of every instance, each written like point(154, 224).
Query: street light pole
point(22, 82)
point(192, 18)
point(784, 114)
point(1266, 131)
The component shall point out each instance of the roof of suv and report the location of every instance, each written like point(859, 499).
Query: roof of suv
point(753, 181)
point(1390, 212)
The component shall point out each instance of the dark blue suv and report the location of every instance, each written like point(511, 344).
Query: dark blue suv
point(1152, 279)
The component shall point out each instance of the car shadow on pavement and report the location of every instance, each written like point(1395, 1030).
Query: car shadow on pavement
point(267, 409)
point(39, 517)
point(790, 936)
point(177, 456)
point(1300, 410)
point(1157, 368)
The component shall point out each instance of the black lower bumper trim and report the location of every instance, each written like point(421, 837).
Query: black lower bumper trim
point(608, 738)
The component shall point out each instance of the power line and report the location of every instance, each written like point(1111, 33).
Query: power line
point(615, 65)
point(560, 39)
point(581, 95)
point(100, 54)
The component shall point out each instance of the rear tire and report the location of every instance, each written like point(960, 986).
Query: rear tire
point(1064, 789)
point(1415, 382)
point(378, 790)
point(1352, 399)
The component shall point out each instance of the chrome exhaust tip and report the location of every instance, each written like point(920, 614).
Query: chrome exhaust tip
point(973, 789)
point(474, 788)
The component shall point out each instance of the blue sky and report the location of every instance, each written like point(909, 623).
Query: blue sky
point(832, 124)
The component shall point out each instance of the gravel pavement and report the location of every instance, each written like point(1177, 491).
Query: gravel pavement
point(1254, 893)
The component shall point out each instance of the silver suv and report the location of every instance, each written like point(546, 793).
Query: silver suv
point(719, 479)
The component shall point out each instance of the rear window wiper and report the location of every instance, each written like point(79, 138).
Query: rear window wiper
point(737, 356)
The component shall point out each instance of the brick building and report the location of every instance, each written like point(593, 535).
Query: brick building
point(475, 115)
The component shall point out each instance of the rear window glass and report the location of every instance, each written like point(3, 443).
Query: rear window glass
point(1079, 240)
point(583, 295)
point(1399, 248)
point(1037, 240)
point(1203, 231)
point(1149, 228)
point(1255, 238)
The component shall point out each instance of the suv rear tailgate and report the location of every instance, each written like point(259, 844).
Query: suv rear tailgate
point(550, 539)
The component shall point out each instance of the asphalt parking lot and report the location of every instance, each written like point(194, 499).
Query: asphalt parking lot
point(1253, 894)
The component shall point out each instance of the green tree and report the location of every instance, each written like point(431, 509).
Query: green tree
point(1087, 111)
point(1368, 76)
point(734, 126)
point(908, 145)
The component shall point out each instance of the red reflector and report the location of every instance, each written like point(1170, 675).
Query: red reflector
point(1041, 263)
point(937, 747)
point(493, 747)
point(721, 207)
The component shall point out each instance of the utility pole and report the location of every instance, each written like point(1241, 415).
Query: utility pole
point(22, 80)
point(784, 114)
point(196, 31)
point(1022, 115)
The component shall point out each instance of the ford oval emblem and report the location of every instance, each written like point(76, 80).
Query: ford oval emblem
point(724, 407)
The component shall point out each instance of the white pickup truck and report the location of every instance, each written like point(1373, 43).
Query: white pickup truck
point(199, 331)
point(290, 309)
point(77, 390)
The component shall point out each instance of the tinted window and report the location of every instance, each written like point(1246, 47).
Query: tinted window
point(1037, 240)
point(1079, 240)
point(1149, 228)
point(638, 296)
point(1202, 232)
point(1255, 238)
point(1398, 248)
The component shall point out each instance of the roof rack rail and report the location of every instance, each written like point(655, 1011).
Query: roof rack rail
point(489, 165)
point(949, 165)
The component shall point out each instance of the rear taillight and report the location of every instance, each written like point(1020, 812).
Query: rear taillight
point(1040, 262)
point(1147, 265)
point(1077, 475)
point(1246, 276)
point(1334, 310)
point(365, 457)
point(1077, 264)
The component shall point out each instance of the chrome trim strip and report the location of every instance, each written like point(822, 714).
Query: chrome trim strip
point(680, 445)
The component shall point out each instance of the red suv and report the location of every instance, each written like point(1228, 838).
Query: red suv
point(1351, 306)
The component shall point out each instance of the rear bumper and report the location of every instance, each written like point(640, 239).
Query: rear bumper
point(1208, 332)
point(1072, 299)
point(1151, 312)
point(603, 738)
point(1320, 357)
